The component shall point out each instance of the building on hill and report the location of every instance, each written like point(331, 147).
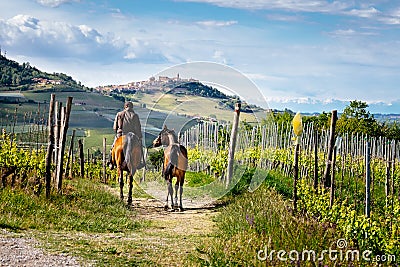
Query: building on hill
point(44, 81)
point(152, 84)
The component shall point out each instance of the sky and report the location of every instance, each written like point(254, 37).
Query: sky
point(305, 55)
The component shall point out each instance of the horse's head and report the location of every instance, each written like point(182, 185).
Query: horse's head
point(157, 141)
point(165, 137)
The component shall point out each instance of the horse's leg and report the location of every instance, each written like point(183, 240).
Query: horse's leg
point(168, 182)
point(130, 189)
point(169, 188)
point(176, 193)
point(166, 203)
point(171, 192)
point(180, 195)
point(121, 183)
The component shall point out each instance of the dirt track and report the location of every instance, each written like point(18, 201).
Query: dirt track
point(173, 234)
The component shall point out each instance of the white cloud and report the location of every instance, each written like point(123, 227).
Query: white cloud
point(351, 33)
point(24, 22)
point(292, 5)
point(344, 32)
point(287, 18)
point(61, 39)
point(393, 18)
point(364, 13)
point(264, 77)
point(349, 8)
point(390, 20)
point(219, 57)
point(55, 3)
point(216, 23)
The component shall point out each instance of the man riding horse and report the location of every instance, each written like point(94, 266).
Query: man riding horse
point(127, 121)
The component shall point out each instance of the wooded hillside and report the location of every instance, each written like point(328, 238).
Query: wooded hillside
point(15, 76)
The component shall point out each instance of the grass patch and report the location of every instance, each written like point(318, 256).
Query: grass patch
point(121, 249)
point(196, 179)
point(84, 206)
point(258, 221)
point(87, 221)
point(94, 138)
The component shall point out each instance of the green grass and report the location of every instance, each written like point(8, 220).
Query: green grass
point(264, 220)
point(195, 179)
point(261, 220)
point(84, 206)
point(87, 221)
point(191, 105)
point(94, 138)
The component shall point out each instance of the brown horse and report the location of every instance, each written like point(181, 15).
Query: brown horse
point(126, 155)
point(175, 164)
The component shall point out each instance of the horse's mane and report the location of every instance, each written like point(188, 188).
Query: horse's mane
point(172, 132)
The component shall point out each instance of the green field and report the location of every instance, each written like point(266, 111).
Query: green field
point(195, 106)
point(93, 114)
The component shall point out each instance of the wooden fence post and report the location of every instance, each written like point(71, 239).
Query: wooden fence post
point(104, 159)
point(316, 161)
point(63, 136)
point(367, 180)
point(232, 144)
point(394, 155)
point(50, 145)
point(60, 154)
point(388, 167)
point(327, 180)
point(71, 166)
point(332, 193)
point(81, 158)
point(71, 147)
point(57, 130)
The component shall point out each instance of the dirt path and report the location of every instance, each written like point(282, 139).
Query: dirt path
point(173, 235)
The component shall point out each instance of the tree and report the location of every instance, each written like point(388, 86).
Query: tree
point(391, 130)
point(356, 119)
point(321, 122)
point(278, 117)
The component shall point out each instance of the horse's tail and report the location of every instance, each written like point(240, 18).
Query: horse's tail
point(173, 159)
point(185, 156)
point(130, 141)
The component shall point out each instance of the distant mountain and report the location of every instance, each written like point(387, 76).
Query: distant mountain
point(309, 105)
point(16, 76)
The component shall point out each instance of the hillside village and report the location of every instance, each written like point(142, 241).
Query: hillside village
point(152, 84)
point(44, 81)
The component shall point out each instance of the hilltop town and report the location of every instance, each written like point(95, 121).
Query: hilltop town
point(152, 84)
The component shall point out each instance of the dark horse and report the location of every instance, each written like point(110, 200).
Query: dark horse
point(175, 164)
point(126, 154)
